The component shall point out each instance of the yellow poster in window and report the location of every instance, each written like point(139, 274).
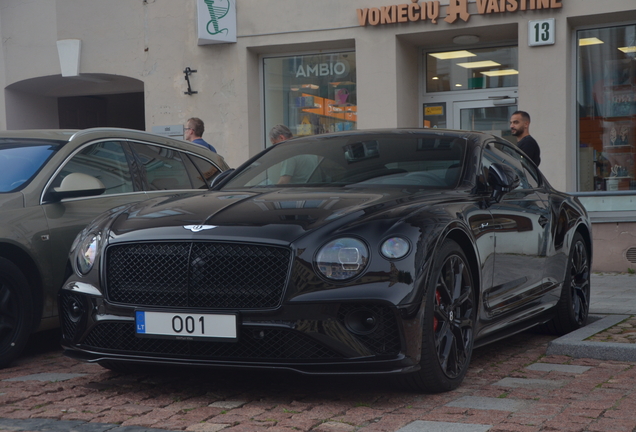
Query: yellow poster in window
point(434, 110)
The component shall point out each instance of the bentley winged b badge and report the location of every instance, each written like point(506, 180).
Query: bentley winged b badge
point(197, 228)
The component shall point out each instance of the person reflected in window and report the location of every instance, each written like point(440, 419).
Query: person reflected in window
point(297, 169)
point(520, 127)
point(193, 131)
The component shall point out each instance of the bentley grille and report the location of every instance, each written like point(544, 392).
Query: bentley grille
point(197, 274)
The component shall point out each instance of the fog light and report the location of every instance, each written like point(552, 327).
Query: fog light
point(361, 321)
point(75, 309)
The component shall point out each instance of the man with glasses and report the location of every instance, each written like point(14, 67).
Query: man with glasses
point(193, 131)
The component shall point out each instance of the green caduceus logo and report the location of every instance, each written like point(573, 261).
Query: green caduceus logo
point(218, 9)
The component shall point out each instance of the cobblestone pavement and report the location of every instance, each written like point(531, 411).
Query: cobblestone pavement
point(624, 332)
point(511, 386)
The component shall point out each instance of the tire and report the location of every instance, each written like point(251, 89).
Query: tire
point(448, 324)
point(574, 304)
point(16, 312)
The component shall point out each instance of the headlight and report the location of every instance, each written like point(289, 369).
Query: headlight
point(395, 248)
point(342, 259)
point(87, 253)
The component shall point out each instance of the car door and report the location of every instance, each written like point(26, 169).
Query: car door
point(109, 162)
point(130, 172)
point(520, 220)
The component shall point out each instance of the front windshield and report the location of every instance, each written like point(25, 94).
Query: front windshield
point(423, 161)
point(21, 159)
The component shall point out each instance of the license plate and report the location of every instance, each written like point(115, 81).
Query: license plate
point(185, 325)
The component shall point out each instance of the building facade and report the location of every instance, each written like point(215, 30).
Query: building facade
point(243, 66)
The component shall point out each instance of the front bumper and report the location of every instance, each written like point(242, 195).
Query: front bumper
point(354, 337)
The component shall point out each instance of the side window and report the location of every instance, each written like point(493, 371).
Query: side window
point(105, 161)
point(163, 167)
point(202, 172)
point(530, 171)
point(498, 152)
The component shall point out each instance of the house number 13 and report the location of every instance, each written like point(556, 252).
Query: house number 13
point(541, 32)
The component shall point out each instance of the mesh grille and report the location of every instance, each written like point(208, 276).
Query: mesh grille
point(277, 344)
point(385, 339)
point(208, 275)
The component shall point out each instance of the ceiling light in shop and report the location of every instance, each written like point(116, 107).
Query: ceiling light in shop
point(479, 64)
point(452, 55)
point(590, 41)
point(629, 49)
point(435, 78)
point(458, 85)
point(501, 72)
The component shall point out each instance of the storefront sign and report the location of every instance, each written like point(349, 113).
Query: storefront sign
point(216, 21)
point(430, 10)
point(322, 69)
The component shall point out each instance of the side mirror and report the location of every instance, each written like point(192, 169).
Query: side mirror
point(219, 179)
point(78, 185)
point(502, 179)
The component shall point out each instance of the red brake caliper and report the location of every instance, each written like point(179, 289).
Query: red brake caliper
point(438, 299)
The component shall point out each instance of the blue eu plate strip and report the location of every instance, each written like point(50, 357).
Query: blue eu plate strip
point(141, 321)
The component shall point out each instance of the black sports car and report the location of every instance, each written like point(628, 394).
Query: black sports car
point(361, 252)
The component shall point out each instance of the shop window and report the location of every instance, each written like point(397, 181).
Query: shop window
point(477, 68)
point(311, 94)
point(606, 95)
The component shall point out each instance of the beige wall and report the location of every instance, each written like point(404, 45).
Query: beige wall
point(154, 41)
point(146, 45)
point(612, 241)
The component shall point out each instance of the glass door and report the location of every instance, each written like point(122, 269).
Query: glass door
point(491, 116)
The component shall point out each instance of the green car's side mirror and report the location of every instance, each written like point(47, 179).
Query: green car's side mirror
point(78, 185)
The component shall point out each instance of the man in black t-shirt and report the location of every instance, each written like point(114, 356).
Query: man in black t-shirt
point(520, 127)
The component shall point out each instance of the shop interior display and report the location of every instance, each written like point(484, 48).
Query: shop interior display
point(607, 140)
point(314, 114)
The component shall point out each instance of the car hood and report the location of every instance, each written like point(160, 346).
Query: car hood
point(280, 215)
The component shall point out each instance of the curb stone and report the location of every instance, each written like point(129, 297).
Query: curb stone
point(575, 345)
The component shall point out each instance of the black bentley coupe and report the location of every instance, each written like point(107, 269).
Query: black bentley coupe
point(360, 252)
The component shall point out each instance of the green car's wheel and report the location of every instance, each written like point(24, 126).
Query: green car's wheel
point(16, 312)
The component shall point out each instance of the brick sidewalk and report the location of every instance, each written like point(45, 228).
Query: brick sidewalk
point(511, 386)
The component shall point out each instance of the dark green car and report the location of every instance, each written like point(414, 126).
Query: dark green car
point(52, 184)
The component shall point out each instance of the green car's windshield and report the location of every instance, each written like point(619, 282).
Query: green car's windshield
point(21, 159)
point(430, 161)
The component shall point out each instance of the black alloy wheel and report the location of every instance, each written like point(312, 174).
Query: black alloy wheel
point(574, 305)
point(449, 320)
point(579, 282)
point(452, 321)
point(16, 312)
